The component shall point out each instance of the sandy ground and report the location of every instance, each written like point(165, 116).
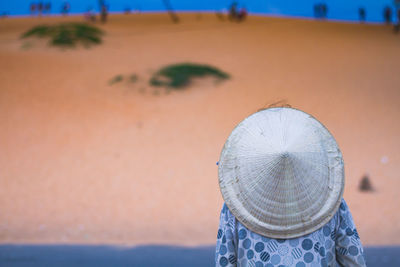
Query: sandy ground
point(85, 162)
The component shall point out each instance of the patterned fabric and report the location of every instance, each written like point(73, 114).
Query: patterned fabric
point(337, 243)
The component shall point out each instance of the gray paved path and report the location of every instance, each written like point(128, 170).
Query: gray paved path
point(142, 256)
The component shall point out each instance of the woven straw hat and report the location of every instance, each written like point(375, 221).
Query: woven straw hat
point(281, 173)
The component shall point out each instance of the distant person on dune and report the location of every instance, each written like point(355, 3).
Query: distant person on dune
point(32, 8)
point(65, 8)
point(103, 14)
point(387, 15)
point(315, 9)
point(47, 8)
point(233, 11)
point(242, 14)
point(235, 14)
point(281, 175)
point(40, 8)
point(320, 11)
point(362, 14)
point(127, 10)
point(397, 25)
point(324, 11)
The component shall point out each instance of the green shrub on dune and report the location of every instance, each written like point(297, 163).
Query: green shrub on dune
point(39, 31)
point(67, 34)
point(179, 75)
point(116, 79)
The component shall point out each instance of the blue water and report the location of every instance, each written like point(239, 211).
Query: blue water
point(337, 9)
point(149, 256)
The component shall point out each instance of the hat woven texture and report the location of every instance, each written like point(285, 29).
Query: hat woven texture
point(281, 173)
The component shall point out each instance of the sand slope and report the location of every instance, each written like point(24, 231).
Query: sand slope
point(85, 162)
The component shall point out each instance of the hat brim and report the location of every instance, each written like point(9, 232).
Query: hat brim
point(296, 220)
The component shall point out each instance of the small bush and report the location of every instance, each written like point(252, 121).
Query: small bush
point(116, 79)
point(133, 78)
point(365, 184)
point(39, 31)
point(179, 75)
point(67, 34)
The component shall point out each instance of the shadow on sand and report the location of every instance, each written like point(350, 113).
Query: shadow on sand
point(77, 255)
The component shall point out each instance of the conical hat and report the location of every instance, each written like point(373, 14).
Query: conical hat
point(281, 173)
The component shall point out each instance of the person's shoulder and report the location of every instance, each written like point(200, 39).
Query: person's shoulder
point(343, 212)
point(225, 210)
point(343, 209)
point(343, 206)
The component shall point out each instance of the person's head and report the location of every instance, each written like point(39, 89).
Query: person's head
point(281, 173)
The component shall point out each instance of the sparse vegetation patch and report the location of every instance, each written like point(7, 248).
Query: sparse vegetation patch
point(133, 78)
point(179, 75)
point(67, 34)
point(116, 79)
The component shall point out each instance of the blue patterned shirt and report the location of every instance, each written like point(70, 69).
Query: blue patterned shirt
point(336, 243)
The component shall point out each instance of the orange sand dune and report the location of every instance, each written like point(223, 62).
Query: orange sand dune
point(85, 162)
